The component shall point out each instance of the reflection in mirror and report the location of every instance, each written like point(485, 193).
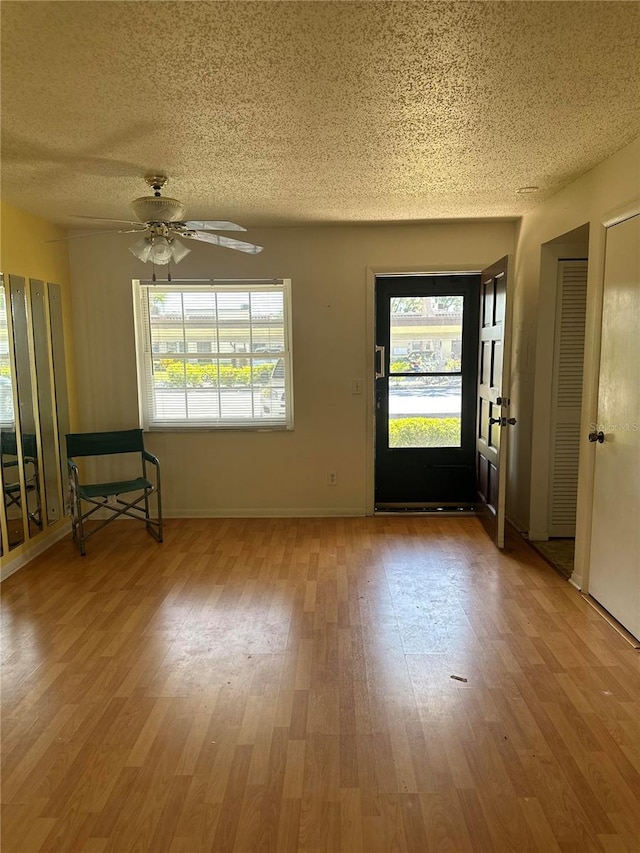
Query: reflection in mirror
point(15, 489)
point(59, 375)
point(48, 437)
point(34, 412)
point(26, 486)
point(13, 532)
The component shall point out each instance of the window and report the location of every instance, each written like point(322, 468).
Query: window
point(214, 354)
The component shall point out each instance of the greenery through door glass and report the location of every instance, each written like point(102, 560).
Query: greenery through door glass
point(425, 363)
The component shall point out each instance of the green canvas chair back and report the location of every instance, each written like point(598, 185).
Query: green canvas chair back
point(104, 443)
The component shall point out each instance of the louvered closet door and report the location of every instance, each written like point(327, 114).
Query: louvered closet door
point(568, 363)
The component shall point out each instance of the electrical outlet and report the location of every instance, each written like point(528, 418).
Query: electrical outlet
point(332, 478)
point(356, 386)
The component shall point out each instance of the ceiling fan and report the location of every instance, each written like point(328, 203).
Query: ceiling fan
point(160, 220)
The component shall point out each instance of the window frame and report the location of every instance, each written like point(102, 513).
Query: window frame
point(145, 355)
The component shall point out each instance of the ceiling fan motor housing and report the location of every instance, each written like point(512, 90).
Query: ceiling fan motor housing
point(162, 209)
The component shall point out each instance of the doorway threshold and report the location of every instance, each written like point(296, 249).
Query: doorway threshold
point(414, 508)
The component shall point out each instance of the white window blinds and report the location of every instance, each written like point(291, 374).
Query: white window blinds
point(214, 354)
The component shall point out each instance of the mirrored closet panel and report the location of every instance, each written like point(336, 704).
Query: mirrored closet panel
point(34, 416)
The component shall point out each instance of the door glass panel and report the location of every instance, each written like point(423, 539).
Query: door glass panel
point(425, 334)
point(425, 411)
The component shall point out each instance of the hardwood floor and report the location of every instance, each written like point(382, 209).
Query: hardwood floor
point(287, 685)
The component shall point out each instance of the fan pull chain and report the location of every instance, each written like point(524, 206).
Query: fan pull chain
point(153, 275)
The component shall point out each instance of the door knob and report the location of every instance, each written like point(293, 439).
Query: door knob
point(495, 420)
point(503, 421)
point(596, 436)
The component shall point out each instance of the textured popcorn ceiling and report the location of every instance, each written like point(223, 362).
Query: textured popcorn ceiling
point(271, 113)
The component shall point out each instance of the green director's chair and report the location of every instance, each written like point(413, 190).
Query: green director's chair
point(11, 476)
point(106, 496)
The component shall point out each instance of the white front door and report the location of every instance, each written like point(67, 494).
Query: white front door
point(614, 576)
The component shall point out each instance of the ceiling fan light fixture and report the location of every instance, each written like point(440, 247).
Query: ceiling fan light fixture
point(160, 218)
point(157, 209)
point(178, 251)
point(142, 249)
point(160, 250)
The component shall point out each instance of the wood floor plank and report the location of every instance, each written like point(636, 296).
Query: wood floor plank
point(285, 686)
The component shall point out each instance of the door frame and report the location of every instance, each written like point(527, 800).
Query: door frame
point(372, 272)
point(551, 253)
point(423, 477)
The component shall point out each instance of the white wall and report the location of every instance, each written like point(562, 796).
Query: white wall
point(610, 186)
point(252, 473)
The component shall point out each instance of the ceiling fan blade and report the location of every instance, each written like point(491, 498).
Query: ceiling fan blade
point(102, 219)
point(226, 242)
point(213, 225)
point(97, 234)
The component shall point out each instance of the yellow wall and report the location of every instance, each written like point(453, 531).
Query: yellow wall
point(24, 252)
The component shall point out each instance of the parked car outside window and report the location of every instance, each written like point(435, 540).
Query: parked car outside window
point(273, 397)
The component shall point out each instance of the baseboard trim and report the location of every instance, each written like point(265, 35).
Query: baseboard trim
point(25, 557)
point(538, 536)
point(277, 512)
point(612, 621)
point(521, 528)
point(577, 582)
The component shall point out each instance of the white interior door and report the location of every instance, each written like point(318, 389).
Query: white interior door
point(614, 575)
